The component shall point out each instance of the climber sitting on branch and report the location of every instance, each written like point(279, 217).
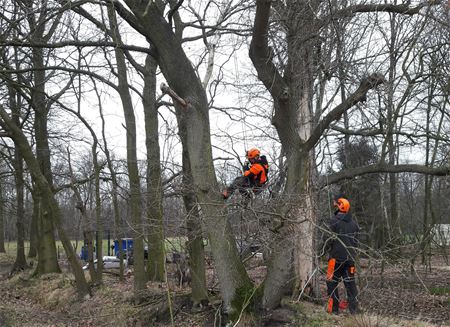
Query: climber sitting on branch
point(256, 169)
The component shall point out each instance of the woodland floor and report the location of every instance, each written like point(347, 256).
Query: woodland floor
point(397, 298)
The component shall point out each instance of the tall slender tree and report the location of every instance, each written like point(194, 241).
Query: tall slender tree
point(2, 222)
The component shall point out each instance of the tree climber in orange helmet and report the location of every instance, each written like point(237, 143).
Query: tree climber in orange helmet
point(341, 244)
point(254, 177)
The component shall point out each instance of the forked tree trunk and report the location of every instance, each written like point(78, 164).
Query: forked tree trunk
point(47, 256)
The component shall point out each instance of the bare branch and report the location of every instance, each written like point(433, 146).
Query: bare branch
point(74, 43)
point(359, 95)
point(261, 56)
point(381, 168)
point(404, 9)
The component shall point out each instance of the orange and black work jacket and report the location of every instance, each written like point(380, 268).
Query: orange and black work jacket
point(257, 173)
point(344, 241)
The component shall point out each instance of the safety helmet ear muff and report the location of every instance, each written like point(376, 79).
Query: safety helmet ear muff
point(252, 153)
point(343, 205)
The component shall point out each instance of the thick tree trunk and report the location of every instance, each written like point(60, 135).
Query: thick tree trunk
point(293, 96)
point(156, 258)
point(279, 270)
point(194, 230)
point(21, 261)
point(47, 257)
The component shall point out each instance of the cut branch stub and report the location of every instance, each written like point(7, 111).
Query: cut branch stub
point(167, 90)
point(368, 83)
point(373, 81)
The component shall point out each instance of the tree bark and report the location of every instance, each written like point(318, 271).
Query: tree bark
point(20, 262)
point(292, 95)
point(156, 243)
point(194, 227)
point(2, 222)
point(32, 253)
point(133, 170)
point(47, 257)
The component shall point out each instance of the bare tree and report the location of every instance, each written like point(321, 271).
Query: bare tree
point(300, 126)
point(46, 192)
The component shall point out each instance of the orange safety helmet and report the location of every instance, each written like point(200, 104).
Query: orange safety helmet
point(252, 153)
point(343, 205)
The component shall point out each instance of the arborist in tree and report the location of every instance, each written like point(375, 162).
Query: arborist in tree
point(256, 169)
point(341, 243)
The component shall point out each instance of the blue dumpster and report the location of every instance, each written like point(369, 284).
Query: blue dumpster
point(84, 254)
point(127, 244)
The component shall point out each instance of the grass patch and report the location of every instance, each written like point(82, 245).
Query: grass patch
point(309, 315)
point(440, 291)
point(172, 244)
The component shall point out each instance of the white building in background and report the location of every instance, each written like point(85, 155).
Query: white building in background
point(441, 234)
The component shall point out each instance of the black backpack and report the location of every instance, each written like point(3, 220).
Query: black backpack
point(263, 161)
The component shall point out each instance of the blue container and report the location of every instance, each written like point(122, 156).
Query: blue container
point(84, 253)
point(127, 244)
